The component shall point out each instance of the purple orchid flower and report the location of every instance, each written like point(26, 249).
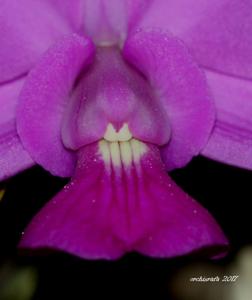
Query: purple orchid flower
point(114, 94)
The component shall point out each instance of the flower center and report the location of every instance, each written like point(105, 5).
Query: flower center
point(122, 135)
point(118, 148)
point(118, 154)
point(113, 92)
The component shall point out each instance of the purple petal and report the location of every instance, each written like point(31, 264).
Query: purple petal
point(9, 94)
point(13, 157)
point(231, 139)
point(27, 29)
point(71, 11)
point(114, 206)
point(43, 99)
point(218, 32)
point(108, 22)
point(181, 88)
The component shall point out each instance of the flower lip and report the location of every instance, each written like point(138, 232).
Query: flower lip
point(121, 199)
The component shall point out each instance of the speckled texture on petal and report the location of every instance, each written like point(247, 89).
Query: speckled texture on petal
point(43, 99)
point(180, 86)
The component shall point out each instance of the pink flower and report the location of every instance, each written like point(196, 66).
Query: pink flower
point(113, 94)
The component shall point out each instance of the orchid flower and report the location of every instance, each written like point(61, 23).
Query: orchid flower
point(113, 94)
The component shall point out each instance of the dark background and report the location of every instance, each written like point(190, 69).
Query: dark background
point(224, 190)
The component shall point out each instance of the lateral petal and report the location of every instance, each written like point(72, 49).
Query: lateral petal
point(43, 99)
point(181, 88)
point(218, 33)
point(13, 157)
point(231, 139)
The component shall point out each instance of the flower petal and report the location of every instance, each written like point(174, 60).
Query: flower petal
point(180, 86)
point(121, 199)
point(27, 29)
point(9, 94)
point(231, 139)
point(13, 157)
point(71, 11)
point(43, 99)
point(108, 22)
point(217, 32)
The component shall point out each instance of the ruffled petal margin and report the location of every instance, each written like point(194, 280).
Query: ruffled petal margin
point(121, 200)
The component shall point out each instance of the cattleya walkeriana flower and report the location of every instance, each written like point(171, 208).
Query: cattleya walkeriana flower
point(114, 94)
